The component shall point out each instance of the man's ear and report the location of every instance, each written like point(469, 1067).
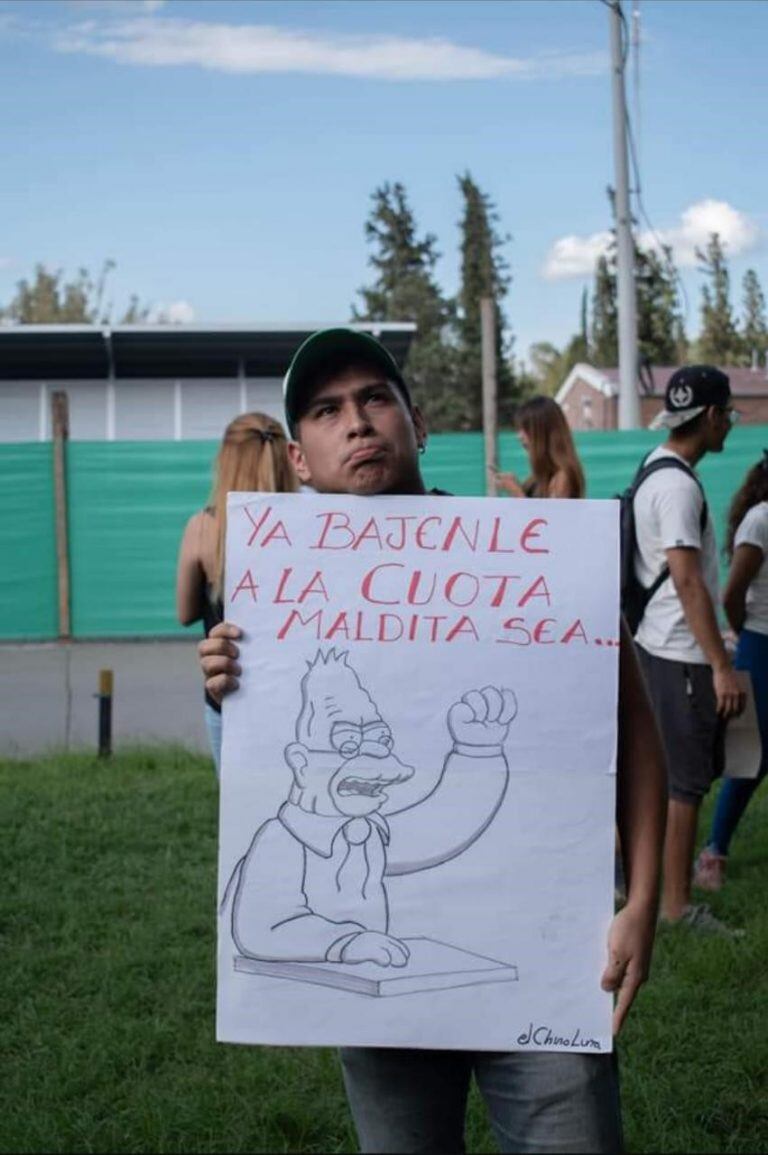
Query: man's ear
point(296, 757)
point(298, 461)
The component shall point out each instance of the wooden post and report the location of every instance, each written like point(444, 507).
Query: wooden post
point(106, 685)
point(60, 422)
point(488, 355)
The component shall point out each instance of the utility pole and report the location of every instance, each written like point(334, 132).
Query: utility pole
point(629, 402)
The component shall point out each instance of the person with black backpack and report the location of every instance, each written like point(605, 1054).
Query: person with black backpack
point(671, 603)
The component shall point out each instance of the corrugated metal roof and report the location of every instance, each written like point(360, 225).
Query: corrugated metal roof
point(91, 352)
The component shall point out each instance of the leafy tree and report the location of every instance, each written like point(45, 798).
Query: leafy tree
point(484, 273)
point(545, 367)
point(719, 340)
point(49, 299)
point(136, 313)
point(550, 366)
point(405, 290)
point(754, 328)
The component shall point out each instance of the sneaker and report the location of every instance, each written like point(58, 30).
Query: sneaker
point(702, 919)
point(709, 870)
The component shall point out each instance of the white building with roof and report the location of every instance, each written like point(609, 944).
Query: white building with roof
point(152, 382)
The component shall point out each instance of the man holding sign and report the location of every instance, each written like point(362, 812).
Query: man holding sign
point(357, 432)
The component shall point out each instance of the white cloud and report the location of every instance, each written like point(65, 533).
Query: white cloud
point(738, 232)
point(119, 6)
point(259, 48)
point(574, 256)
point(176, 313)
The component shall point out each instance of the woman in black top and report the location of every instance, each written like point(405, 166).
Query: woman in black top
point(546, 438)
point(253, 456)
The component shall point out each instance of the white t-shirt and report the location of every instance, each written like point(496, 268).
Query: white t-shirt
point(667, 516)
point(753, 530)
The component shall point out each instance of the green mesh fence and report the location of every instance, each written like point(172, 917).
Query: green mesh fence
point(454, 462)
point(28, 590)
point(128, 502)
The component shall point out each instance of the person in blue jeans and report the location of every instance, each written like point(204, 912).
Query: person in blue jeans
point(357, 431)
point(746, 607)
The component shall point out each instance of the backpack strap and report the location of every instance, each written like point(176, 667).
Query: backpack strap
point(644, 471)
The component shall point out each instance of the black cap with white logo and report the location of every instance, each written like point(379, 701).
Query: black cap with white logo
point(689, 392)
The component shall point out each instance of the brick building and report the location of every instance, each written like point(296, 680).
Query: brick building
point(589, 397)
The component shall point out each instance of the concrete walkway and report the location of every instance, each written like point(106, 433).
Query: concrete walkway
point(47, 694)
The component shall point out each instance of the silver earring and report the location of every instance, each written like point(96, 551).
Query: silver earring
point(422, 447)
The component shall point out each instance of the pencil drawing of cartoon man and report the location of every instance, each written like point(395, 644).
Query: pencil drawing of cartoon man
point(312, 885)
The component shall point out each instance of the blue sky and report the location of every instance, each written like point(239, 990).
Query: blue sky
point(223, 154)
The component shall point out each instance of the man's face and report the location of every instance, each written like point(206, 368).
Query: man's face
point(357, 435)
point(721, 418)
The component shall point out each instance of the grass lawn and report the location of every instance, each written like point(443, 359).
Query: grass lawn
point(107, 987)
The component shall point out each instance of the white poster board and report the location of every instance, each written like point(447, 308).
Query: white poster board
point(418, 783)
point(742, 736)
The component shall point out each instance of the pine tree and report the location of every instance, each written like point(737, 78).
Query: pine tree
point(660, 329)
point(484, 273)
point(405, 290)
point(583, 348)
point(754, 326)
point(719, 340)
point(604, 342)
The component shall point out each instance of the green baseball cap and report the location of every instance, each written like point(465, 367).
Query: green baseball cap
point(334, 344)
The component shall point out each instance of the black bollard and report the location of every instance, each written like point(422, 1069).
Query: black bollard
point(105, 713)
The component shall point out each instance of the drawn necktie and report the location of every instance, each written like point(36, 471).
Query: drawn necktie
point(355, 869)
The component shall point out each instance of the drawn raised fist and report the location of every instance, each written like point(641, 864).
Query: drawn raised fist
point(373, 946)
point(482, 717)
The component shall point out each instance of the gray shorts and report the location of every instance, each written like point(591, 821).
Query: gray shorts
point(684, 702)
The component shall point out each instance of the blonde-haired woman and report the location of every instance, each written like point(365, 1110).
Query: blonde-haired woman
point(555, 467)
point(253, 456)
